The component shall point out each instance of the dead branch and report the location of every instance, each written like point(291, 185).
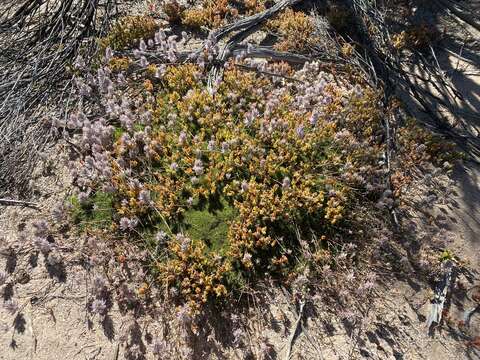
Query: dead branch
point(388, 159)
point(257, 52)
point(465, 17)
point(295, 329)
point(245, 25)
point(10, 202)
point(441, 293)
point(116, 351)
point(274, 75)
point(38, 42)
point(266, 52)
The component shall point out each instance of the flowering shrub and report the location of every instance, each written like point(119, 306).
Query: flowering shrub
point(295, 30)
point(127, 31)
point(213, 14)
point(219, 183)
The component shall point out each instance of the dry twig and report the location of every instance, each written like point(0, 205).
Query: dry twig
point(38, 41)
point(10, 202)
point(294, 333)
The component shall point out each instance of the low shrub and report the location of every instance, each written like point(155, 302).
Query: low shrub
point(224, 183)
point(213, 14)
point(295, 30)
point(127, 31)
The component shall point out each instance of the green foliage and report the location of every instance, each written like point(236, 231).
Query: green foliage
point(446, 255)
point(210, 226)
point(96, 212)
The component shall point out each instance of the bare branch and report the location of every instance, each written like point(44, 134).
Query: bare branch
point(10, 202)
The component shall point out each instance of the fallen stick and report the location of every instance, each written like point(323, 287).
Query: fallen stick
point(266, 52)
point(441, 291)
point(293, 335)
point(471, 20)
point(388, 155)
point(251, 68)
point(261, 52)
point(247, 27)
point(252, 20)
point(11, 202)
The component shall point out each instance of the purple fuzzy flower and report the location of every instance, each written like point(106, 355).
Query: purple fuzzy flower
point(53, 259)
point(59, 211)
point(300, 131)
point(108, 54)
point(40, 228)
point(314, 118)
point(237, 337)
point(198, 167)
point(225, 147)
point(159, 347)
point(144, 197)
point(42, 245)
point(142, 47)
point(82, 197)
point(143, 62)
point(174, 166)
point(211, 145)
point(182, 138)
point(357, 91)
point(161, 237)
point(99, 286)
point(79, 63)
point(99, 306)
point(160, 71)
point(127, 224)
point(160, 37)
